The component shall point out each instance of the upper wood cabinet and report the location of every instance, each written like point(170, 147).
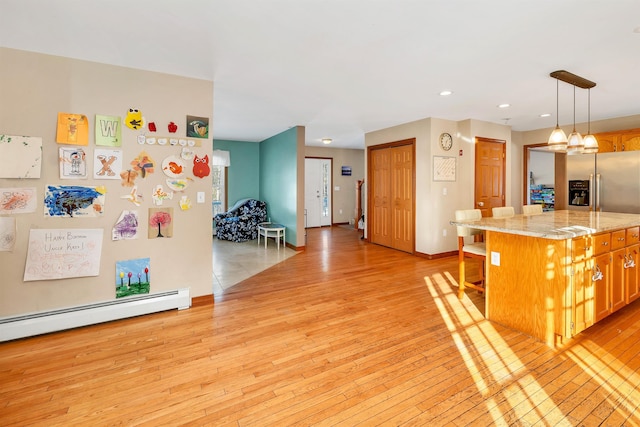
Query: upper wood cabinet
point(630, 141)
point(621, 140)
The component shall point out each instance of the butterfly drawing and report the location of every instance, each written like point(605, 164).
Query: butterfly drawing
point(128, 177)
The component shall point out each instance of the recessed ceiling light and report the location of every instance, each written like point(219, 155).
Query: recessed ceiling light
point(326, 141)
point(504, 105)
point(545, 115)
point(445, 93)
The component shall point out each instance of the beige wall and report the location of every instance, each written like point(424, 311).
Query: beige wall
point(343, 199)
point(437, 201)
point(34, 88)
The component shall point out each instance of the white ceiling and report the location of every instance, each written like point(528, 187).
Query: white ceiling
point(345, 67)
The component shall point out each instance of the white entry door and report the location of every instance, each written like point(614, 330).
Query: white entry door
point(317, 192)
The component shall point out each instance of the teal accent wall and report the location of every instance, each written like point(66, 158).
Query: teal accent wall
point(244, 172)
point(278, 179)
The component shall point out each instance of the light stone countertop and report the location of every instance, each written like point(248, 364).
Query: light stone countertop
point(556, 225)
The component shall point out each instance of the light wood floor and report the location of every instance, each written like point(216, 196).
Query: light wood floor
point(346, 333)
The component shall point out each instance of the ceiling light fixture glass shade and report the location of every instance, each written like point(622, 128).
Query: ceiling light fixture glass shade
point(590, 141)
point(557, 139)
point(575, 144)
point(326, 140)
point(590, 144)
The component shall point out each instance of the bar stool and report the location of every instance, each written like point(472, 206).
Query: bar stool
point(475, 250)
point(503, 211)
point(531, 209)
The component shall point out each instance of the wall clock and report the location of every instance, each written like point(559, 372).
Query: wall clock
point(446, 142)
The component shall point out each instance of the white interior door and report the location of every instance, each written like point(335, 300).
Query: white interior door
point(317, 190)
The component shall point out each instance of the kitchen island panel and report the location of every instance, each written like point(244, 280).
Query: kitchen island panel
point(528, 291)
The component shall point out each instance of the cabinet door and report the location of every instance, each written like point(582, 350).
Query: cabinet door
point(607, 142)
point(583, 298)
point(630, 142)
point(601, 276)
point(618, 291)
point(632, 273)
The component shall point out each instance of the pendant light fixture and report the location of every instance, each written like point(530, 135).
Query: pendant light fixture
point(590, 141)
point(575, 145)
point(557, 139)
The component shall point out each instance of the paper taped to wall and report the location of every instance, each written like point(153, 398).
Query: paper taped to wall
point(63, 253)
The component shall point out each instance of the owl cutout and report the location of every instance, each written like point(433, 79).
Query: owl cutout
point(134, 119)
point(201, 166)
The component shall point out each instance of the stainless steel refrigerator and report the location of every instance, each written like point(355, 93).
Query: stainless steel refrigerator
point(613, 181)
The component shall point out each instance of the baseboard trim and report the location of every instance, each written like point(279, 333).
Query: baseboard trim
point(202, 300)
point(296, 248)
point(437, 256)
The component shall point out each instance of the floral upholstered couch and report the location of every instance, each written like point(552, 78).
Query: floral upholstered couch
point(240, 223)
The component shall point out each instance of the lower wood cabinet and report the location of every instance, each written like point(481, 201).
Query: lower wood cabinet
point(632, 273)
point(618, 270)
point(583, 295)
point(602, 286)
point(605, 275)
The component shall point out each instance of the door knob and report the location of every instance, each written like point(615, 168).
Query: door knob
point(480, 204)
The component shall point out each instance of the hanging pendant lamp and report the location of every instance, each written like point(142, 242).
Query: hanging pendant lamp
point(590, 141)
point(557, 139)
point(575, 144)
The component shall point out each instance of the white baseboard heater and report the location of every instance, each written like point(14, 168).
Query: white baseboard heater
point(66, 318)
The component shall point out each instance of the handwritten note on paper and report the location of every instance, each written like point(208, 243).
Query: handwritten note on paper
point(444, 168)
point(63, 253)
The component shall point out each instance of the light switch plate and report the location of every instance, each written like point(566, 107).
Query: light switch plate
point(200, 196)
point(495, 258)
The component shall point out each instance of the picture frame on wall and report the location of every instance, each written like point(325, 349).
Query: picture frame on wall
point(444, 168)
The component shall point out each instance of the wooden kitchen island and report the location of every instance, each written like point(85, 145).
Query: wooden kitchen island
point(554, 274)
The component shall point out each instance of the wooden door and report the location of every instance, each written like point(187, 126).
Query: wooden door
point(380, 197)
point(402, 196)
point(601, 289)
point(391, 196)
point(489, 174)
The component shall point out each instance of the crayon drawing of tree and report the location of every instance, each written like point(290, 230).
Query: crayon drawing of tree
point(160, 219)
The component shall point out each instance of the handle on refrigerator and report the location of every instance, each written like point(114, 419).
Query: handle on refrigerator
point(598, 186)
point(592, 200)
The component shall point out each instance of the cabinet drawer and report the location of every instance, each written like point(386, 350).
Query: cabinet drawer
point(633, 235)
point(601, 243)
point(581, 248)
point(618, 239)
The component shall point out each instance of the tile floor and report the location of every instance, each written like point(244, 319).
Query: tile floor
point(234, 262)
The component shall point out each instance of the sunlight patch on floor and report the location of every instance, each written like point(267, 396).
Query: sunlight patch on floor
point(489, 361)
point(612, 374)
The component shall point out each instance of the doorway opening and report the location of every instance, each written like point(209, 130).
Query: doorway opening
point(317, 191)
point(219, 189)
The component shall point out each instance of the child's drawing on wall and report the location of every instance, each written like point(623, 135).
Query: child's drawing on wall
point(73, 163)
